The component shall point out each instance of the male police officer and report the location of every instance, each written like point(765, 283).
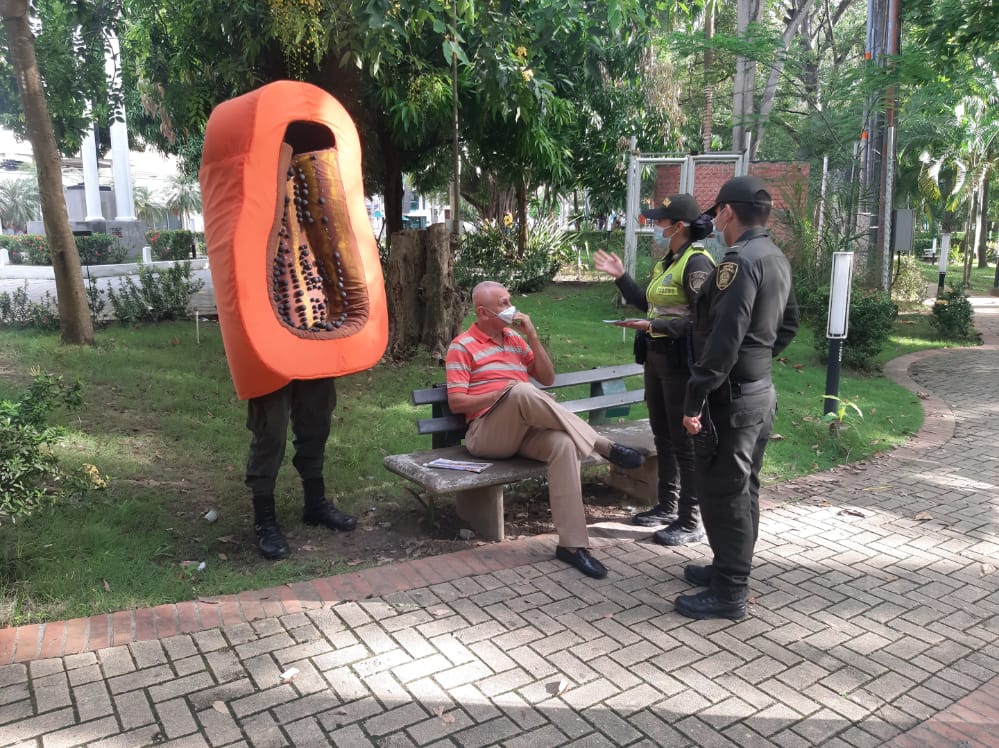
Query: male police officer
point(745, 315)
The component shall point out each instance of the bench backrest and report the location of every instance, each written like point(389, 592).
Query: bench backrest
point(608, 395)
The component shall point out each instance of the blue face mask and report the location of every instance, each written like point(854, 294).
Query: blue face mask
point(662, 241)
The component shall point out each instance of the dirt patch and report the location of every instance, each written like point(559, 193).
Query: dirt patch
point(408, 529)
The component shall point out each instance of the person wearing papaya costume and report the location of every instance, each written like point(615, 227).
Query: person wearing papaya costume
point(677, 279)
point(487, 371)
point(298, 281)
point(745, 317)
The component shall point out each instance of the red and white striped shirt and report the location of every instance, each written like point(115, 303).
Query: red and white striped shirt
point(477, 364)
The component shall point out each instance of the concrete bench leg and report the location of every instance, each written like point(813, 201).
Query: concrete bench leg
point(482, 509)
point(641, 484)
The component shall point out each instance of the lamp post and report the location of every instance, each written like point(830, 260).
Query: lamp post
point(942, 264)
point(839, 320)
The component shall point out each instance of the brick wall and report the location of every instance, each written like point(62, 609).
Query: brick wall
point(786, 180)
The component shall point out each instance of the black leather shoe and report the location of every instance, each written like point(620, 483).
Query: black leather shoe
point(582, 560)
point(327, 515)
point(270, 541)
point(657, 515)
point(707, 604)
point(625, 457)
point(699, 575)
point(677, 534)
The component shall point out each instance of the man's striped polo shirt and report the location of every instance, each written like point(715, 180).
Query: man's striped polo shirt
point(476, 364)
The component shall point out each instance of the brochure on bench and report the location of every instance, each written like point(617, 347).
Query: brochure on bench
point(466, 465)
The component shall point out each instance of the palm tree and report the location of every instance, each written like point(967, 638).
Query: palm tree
point(19, 203)
point(183, 198)
point(148, 207)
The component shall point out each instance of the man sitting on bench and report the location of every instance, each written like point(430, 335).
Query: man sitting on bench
point(488, 370)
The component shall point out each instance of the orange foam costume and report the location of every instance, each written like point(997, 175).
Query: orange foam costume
point(298, 282)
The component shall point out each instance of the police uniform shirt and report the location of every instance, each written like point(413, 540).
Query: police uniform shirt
point(745, 315)
point(695, 274)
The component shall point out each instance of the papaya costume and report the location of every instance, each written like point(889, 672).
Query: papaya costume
point(298, 282)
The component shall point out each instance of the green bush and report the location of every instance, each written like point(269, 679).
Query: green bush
point(490, 253)
point(872, 316)
point(18, 311)
point(172, 245)
point(30, 476)
point(908, 284)
point(953, 316)
point(33, 249)
point(158, 295)
point(100, 249)
point(27, 249)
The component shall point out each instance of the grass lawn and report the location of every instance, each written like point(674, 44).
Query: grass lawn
point(161, 419)
point(982, 279)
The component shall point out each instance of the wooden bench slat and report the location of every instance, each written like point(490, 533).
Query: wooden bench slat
point(432, 395)
point(600, 374)
point(599, 402)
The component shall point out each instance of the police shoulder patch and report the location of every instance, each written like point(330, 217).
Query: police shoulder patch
point(726, 274)
point(696, 280)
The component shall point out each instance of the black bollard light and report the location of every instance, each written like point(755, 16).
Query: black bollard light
point(942, 264)
point(839, 319)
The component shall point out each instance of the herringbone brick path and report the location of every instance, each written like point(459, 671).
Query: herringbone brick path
point(874, 621)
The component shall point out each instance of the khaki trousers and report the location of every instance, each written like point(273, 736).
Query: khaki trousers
point(527, 422)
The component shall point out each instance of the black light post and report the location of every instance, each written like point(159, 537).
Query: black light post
point(836, 328)
point(942, 263)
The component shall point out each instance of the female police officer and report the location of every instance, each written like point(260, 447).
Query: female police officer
point(676, 281)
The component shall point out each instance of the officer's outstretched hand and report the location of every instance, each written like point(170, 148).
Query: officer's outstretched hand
point(608, 263)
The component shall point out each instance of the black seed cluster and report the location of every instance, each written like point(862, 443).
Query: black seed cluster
point(301, 287)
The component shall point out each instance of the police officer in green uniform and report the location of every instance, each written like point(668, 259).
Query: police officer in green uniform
point(745, 316)
point(667, 301)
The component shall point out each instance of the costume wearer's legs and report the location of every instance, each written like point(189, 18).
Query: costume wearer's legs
point(528, 422)
point(312, 404)
point(729, 501)
point(267, 419)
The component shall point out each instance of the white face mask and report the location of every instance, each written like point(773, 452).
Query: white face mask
point(507, 314)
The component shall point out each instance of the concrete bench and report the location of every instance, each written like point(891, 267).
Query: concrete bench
point(479, 496)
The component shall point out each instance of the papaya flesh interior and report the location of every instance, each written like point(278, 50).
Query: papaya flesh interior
point(316, 280)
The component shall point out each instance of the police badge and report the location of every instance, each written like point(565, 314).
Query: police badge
point(726, 274)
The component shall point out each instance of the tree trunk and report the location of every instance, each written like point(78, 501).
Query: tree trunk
point(393, 184)
point(426, 309)
point(743, 102)
point(74, 316)
point(521, 217)
point(983, 238)
point(709, 89)
point(776, 69)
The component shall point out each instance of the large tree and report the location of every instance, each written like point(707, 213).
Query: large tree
point(74, 317)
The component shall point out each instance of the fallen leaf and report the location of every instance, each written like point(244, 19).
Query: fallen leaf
point(355, 562)
point(440, 612)
point(308, 548)
point(798, 367)
point(557, 688)
point(776, 437)
point(226, 539)
point(852, 512)
point(923, 395)
point(209, 601)
point(185, 564)
point(988, 569)
point(923, 516)
point(107, 587)
point(174, 340)
point(220, 707)
point(223, 557)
